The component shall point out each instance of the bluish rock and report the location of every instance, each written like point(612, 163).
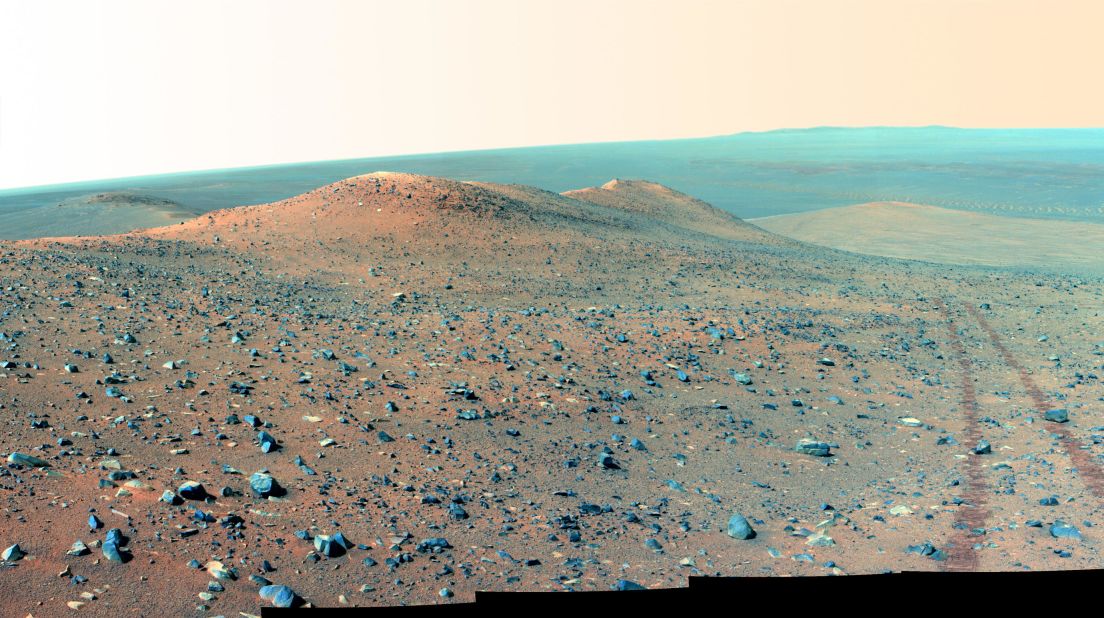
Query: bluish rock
point(278, 595)
point(1060, 415)
point(927, 550)
point(326, 546)
point(191, 490)
point(739, 528)
point(114, 535)
point(433, 545)
point(813, 447)
point(27, 460)
point(263, 485)
point(78, 549)
point(267, 442)
point(340, 539)
point(1061, 530)
point(111, 551)
point(13, 553)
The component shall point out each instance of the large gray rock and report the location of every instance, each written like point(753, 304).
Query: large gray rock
point(263, 485)
point(739, 528)
point(279, 596)
point(27, 460)
point(813, 447)
point(1060, 415)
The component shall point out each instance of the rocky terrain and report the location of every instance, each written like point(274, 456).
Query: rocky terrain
point(400, 389)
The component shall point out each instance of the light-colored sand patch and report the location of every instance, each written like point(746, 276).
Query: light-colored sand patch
point(934, 234)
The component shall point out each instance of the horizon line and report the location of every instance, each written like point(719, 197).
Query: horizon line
point(74, 183)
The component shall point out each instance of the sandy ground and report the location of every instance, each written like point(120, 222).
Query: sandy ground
point(570, 390)
point(930, 233)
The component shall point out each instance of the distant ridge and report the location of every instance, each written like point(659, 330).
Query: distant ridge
point(1045, 173)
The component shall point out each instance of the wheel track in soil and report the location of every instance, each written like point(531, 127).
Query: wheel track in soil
point(974, 511)
point(1089, 471)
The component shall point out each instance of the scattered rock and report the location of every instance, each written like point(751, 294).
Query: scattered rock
point(739, 528)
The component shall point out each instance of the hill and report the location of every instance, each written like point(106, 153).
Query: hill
point(519, 239)
point(656, 201)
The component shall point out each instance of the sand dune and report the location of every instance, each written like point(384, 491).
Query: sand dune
point(930, 233)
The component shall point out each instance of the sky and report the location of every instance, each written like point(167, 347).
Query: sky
point(104, 89)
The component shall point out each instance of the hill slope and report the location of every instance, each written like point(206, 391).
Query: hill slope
point(517, 238)
point(656, 201)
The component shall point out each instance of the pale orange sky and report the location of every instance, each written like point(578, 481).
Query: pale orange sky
point(92, 89)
